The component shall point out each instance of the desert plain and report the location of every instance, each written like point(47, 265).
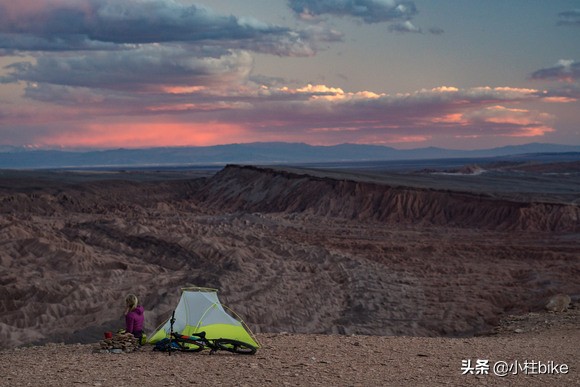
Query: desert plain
point(346, 276)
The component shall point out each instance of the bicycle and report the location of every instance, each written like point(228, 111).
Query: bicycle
point(198, 342)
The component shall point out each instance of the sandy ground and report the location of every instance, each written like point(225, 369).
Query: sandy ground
point(546, 342)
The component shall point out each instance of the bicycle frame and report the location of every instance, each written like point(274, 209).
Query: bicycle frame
point(197, 342)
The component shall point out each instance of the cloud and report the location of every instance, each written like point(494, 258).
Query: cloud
point(565, 70)
point(511, 122)
point(436, 31)
point(149, 67)
point(252, 112)
point(163, 72)
point(569, 18)
point(370, 11)
point(144, 133)
point(403, 27)
point(90, 24)
point(330, 101)
point(15, 44)
point(560, 99)
point(336, 115)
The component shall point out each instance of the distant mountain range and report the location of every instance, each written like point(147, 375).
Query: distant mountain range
point(251, 153)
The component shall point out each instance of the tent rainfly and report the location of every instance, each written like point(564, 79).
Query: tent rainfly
point(199, 310)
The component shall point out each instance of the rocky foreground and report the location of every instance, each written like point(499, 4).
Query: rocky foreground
point(544, 347)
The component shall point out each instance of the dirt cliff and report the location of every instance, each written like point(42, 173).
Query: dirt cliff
point(256, 189)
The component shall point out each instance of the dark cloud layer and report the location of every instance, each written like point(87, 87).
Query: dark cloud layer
point(80, 24)
point(12, 43)
point(564, 70)
point(370, 11)
point(146, 67)
point(137, 46)
point(569, 18)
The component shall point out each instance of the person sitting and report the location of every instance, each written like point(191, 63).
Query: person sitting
point(134, 317)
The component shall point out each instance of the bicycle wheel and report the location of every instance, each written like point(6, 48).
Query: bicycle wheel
point(235, 346)
point(188, 344)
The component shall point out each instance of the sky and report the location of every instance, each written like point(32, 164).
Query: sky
point(405, 74)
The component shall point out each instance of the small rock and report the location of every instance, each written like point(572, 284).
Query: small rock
point(558, 303)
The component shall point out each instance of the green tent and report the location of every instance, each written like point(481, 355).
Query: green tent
point(199, 310)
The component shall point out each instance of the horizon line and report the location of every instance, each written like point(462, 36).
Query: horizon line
point(113, 148)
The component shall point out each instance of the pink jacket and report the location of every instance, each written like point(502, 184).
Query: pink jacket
point(134, 320)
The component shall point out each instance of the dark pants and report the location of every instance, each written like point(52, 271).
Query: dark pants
point(138, 335)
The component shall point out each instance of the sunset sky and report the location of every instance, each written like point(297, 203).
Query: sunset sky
point(407, 74)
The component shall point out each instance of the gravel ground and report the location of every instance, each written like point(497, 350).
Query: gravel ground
point(323, 360)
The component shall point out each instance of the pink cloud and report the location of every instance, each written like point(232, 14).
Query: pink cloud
point(394, 140)
point(453, 118)
point(530, 131)
point(560, 99)
point(446, 110)
point(317, 114)
point(511, 122)
point(145, 134)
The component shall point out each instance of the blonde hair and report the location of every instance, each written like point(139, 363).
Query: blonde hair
point(131, 301)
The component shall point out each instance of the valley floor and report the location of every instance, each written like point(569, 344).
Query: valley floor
point(536, 343)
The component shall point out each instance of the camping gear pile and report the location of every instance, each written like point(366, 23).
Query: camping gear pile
point(120, 342)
